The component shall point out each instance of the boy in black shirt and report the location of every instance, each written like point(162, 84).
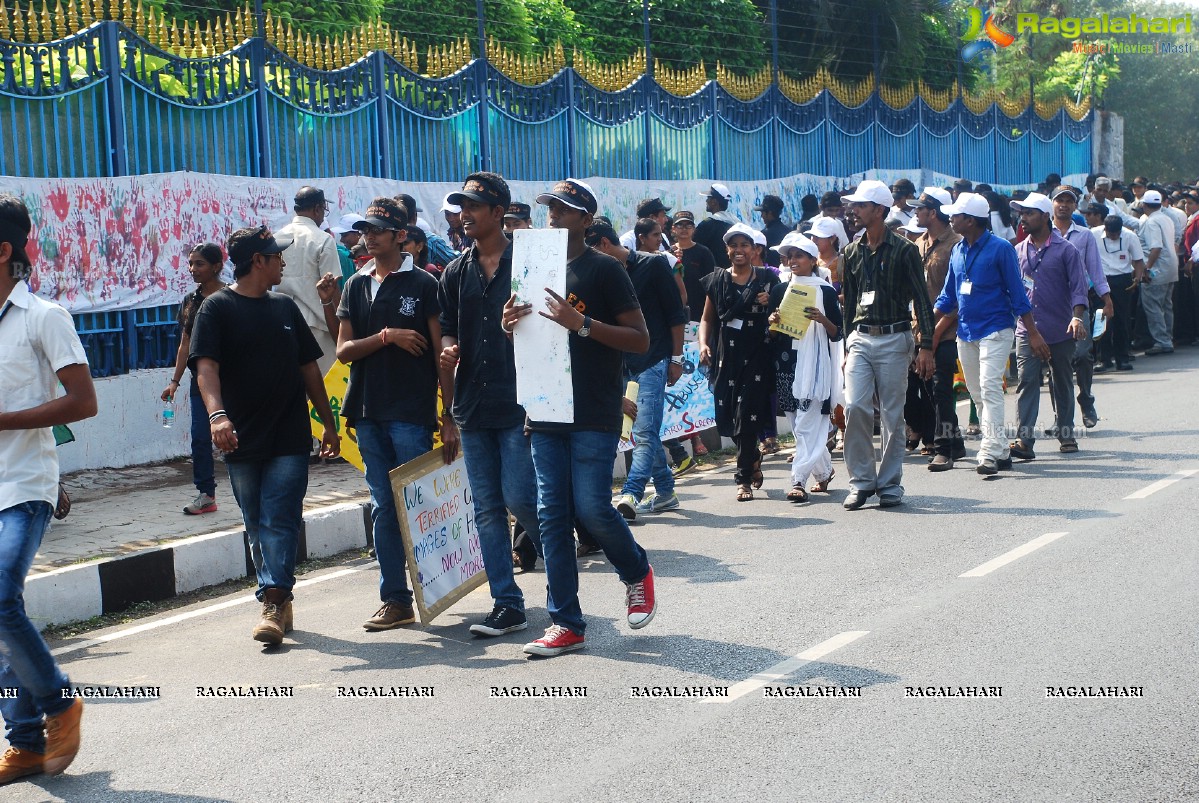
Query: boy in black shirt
point(254, 358)
point(573, 462)
point(389, 330)
point(479, 382)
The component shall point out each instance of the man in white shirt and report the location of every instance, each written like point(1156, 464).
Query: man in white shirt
point(1161, 272)
point(311, 256)
point(1123, 264)
point(38, 350)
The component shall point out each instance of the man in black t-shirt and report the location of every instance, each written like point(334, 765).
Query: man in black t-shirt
point(665, 316)
point(573, 462)
point(389, 331)
point(254, 358)
point(479, 376)
point(710, 231)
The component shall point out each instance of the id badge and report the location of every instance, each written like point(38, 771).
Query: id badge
point(965, 288)
point(1029, 283)
point(868, 298)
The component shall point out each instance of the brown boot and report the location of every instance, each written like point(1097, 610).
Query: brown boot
point(18, 763)
point(276, 617)
point(62, 739)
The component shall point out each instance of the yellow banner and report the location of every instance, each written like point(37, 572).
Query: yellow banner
point(336, 382)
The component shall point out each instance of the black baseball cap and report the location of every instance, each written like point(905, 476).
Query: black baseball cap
point(598, 231)
point(573, 193)
point(379, 216)
point(309, 197)
point(519, 211)
point(1066, 188)
point(771, 202)
point(651, 206)
point(480, 189)
point(262, 241)
point(683, 215)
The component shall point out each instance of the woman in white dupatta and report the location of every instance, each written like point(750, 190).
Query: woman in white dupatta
point(808, 368)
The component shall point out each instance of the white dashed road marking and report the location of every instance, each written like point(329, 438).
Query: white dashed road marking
point(1015, 554)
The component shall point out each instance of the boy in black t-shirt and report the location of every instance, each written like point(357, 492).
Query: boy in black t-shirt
point(389, 334)
point(254, 358)
point(573, 462)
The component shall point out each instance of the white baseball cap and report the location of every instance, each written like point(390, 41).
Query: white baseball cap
point(1037, 201)
point(718, 190)
point(1151, 197)
point(870, 191)
point(759, 238)
point(823, 227)
point(446, 206)
point(911, 226)
point(346, 223)
point(744, 231)
point(934, 193)
point(970, 203)
point(794, 241)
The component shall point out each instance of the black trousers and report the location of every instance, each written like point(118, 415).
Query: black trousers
point(1115, 341)
point(948, 438)
point(748, 456)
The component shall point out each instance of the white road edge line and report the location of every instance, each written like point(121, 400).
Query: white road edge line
point(787, 667)
point(182, 617)
point(1015, 554)
point(1149, 490)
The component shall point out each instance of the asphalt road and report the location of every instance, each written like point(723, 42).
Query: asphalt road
point(753, 598)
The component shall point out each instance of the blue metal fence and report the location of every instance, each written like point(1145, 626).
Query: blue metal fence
point(107, 102)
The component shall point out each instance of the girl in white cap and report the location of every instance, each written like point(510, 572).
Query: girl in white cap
point(733, 342)
point(808, 369)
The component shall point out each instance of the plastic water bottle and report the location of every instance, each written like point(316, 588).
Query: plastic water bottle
point(168, 413)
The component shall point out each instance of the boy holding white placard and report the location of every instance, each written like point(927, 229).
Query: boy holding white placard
point(573, 461)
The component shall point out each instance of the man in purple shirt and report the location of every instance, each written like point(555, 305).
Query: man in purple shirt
point(1056, 281)
point(1065, 202)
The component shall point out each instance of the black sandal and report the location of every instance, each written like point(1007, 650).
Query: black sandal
point(758, 479)
point(797, 494)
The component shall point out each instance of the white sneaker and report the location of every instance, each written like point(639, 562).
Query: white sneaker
point(627, 507)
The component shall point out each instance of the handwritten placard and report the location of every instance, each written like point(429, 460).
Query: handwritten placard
point(437, 523)
point(688, 405)
point(543, 381)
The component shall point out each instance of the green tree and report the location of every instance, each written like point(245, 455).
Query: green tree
point(326, 19)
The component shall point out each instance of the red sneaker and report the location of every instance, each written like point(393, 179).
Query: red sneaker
point(640, 599)
point(557, 640)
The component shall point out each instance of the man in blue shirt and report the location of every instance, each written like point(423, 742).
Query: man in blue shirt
point(983, 289)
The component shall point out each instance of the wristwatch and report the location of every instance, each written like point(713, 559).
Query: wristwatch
point(585, 329)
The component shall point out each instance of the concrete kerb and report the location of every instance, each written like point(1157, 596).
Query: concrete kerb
point(75, 593)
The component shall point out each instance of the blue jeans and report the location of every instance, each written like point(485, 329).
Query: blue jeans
point(574, 480)
point(499, 465)
point(384, 446)
point(649, 458)
point(270, 494)
point(25, 662)
point(203, 466)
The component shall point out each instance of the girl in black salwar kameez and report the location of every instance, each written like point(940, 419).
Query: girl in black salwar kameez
point(733, 341)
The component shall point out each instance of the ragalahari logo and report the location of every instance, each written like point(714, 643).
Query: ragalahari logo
point(983, 34)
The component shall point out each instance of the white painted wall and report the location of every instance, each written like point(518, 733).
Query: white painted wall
point(128, 429)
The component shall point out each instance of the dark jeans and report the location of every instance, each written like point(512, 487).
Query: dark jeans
point(1186, 327)
point(948, 437)
point(270, 493)
point(1114, 343)
point(1083, 361)
point(1061, 386)
point(919, 411)
point(203, 466)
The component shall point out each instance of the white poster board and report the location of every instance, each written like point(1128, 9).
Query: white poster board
point(437, 523)
point(543, 382)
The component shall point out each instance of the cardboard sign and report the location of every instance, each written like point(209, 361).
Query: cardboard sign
point(437, 523)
